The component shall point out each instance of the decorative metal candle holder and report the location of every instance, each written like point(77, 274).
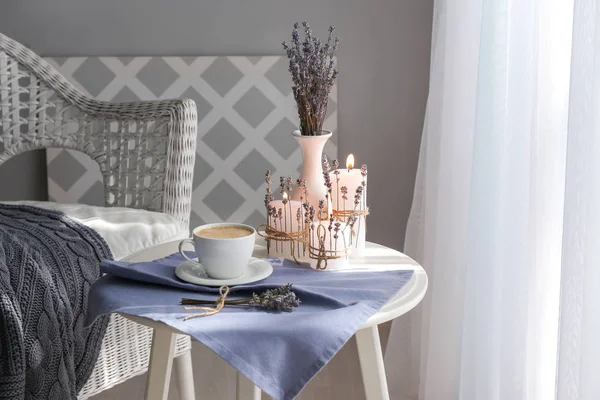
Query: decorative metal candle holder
point(298, 230)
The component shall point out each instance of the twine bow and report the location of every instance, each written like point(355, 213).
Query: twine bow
point(219, 304)
point(322, 253)
point(271, 233)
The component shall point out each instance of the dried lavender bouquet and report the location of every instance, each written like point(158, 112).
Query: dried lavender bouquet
point(280, 299)
point(312, 65)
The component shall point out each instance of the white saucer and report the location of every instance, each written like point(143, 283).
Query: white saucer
point(193, 273)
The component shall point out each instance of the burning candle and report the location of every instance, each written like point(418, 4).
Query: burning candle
point(350, 161)
point(349, 193)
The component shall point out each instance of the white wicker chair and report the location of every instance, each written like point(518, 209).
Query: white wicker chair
point(146, 154)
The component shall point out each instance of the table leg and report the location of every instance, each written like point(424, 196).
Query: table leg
point(159, 367)
point(371, 364)
point(246, 389)
point(185, 376)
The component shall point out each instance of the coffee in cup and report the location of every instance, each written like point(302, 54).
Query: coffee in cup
point(224, 232)
point(224, 249)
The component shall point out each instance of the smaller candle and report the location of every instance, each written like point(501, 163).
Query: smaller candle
point(335, 242)
point(333, 246)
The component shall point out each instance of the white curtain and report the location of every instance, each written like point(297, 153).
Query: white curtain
point(506, 212)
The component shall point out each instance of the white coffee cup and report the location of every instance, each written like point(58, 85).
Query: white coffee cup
point(221, 257)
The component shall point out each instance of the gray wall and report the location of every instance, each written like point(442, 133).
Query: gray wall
point(384, 61)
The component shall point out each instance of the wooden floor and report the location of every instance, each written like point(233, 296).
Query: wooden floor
point(215, 380)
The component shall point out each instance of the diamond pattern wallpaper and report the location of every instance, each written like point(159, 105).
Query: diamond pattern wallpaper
point(246, 114)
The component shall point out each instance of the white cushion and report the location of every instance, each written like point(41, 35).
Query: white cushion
point(125, 230)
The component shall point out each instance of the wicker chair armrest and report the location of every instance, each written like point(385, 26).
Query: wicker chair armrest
point(71, 95)
point(138, 110)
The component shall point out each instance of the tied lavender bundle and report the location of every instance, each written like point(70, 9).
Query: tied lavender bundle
point(312, 65)
point(278, 299)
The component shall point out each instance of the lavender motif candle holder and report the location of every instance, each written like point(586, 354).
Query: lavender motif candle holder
point(297, 230)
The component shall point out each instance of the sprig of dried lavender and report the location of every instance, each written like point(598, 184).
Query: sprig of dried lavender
point(268, 195)
point(325, 162)
point(268, 199)
point(300, 185)
point(270, 211)
point(327, 182)
point(337, 226)
point(363, 172)
point(280, 299)
point(335, 165)
point(357, 196)
point(336, 230)
point(281, 184)
point(304, 188)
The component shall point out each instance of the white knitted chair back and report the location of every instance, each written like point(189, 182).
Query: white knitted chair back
point(146, 153)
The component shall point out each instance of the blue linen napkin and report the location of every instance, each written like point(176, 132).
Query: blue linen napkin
point(280, 352)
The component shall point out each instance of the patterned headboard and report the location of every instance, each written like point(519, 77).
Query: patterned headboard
point(246, 114)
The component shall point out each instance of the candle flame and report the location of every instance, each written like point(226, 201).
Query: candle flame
point(285, 195)
point(350, 161)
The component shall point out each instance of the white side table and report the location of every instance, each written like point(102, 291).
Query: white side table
point(375, 257)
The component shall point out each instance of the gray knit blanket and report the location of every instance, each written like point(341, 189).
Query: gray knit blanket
point(47, 264)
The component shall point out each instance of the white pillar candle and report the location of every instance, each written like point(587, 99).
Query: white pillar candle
point(288, 223)
point(350, 178)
